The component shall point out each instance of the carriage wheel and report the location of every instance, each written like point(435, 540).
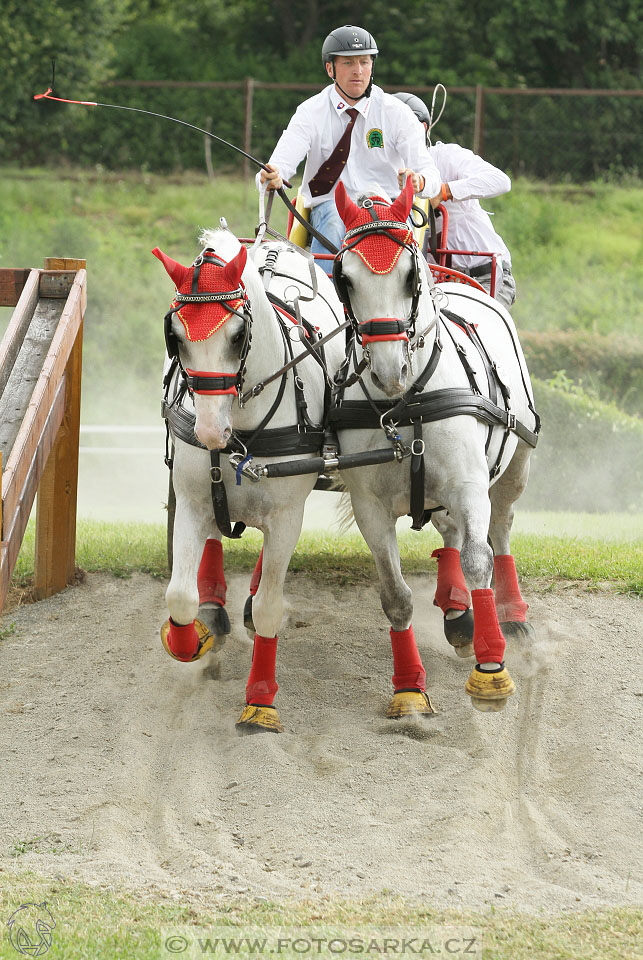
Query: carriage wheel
point(171, 511)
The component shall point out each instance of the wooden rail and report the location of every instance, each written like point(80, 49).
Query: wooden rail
point(40, 383)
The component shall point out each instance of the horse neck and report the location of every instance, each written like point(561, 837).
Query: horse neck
point(266, 353)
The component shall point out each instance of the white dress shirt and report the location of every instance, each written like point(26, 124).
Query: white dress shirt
point(386, 138)
point(470, 179)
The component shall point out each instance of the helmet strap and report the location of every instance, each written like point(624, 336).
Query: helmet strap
point(366, 93)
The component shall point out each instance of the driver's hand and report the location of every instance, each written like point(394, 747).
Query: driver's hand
point(271, 177)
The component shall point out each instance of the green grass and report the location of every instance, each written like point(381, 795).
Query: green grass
point(99, 924)
point(124, 548)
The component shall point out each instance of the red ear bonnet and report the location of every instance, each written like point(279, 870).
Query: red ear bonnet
point(201, 320)
point(379, 252)
point(401, 206)
point(233, 270)
point(347, 210)
point(176, 271)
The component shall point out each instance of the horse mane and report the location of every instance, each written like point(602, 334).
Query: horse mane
point(225, 243)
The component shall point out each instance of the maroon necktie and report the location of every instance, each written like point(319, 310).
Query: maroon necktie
point(330, 171)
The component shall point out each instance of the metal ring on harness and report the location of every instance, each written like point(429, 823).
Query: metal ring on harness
point(421, 447)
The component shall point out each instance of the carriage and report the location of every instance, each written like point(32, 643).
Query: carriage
point(309, 414)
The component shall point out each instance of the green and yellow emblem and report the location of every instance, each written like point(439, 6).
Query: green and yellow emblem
point(374, 138)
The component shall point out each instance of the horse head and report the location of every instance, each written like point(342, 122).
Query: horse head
point(378, 278)
point(207, 329)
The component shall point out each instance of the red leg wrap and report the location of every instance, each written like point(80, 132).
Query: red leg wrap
point(211, 579)
point(256, 575)
point(262, 686)
point(488, 641)
point(509, 602)
point(408, 671)
point(451, 592)
point(183, 641)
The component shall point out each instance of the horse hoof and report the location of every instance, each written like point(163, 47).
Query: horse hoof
point(488, 706)
point(464, 649)
point(459, 630)
point(515, 630)
point(489, 691)
point(247, 617)
point(257, 719)
point(205, 644)
point(216, 619)
point(408, 703)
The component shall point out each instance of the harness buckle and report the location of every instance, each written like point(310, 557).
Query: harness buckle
point(511, 421)
point(421, 447)
point(216, 475)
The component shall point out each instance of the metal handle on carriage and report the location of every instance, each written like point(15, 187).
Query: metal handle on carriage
point(295, 468)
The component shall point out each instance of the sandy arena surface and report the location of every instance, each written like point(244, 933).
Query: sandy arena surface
point(123, 767)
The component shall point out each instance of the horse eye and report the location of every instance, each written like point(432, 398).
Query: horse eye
point(237, 338)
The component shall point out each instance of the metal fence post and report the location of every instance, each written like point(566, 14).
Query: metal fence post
point(478, 124)
point(247, 130)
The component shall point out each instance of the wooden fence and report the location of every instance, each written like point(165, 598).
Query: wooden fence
point(40, 383)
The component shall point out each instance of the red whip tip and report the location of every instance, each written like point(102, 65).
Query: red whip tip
point(40, 96)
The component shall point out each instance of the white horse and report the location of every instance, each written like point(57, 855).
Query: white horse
point(228, 337)
point(452, 353)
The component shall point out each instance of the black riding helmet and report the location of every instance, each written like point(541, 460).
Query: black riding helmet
point(418, 107)
point(349, 41)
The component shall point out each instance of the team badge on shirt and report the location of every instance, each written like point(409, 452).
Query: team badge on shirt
point(374, 138)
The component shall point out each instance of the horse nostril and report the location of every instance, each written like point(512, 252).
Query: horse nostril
point(404, 371)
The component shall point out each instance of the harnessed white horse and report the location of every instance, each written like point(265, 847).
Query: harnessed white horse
point(227, 340)
point(471, 435)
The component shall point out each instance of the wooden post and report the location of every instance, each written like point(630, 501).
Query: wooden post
point(55, 558)
point(247, 129)
point(478, 125)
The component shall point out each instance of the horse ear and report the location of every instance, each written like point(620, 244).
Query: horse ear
point(401, 207)
point(176, 271)
point(347, 210)
point(233, 270)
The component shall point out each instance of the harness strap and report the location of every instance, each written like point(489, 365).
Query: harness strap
point(436, 405)
point(220, 500)
point(417, 477)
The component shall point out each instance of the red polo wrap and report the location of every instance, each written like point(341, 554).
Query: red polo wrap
point(451, 591)
point(408, 671)
point(262, 686)
point(183, 641)
point(488, 641)
point(211, 579)
point(509, 603)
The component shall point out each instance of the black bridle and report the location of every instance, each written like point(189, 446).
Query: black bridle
point(379, 328)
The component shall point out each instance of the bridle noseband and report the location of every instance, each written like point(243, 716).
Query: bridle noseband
point(379, 328)
point(205, 382)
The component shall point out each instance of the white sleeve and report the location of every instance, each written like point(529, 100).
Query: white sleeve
point(293, 145)
point(412, 147)
point(469, 176)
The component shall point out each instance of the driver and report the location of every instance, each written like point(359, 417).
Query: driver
point(467, 179)
point(354, 132)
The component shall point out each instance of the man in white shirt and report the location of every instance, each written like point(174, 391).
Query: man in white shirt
point(386, 144)
point(466, 179)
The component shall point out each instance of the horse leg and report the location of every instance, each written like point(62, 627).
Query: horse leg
point(212, 588)
point(377, 526)
point(280, 538)
point(184, 637)
point(512, 609)
point(489, 683)
point(255, 580)
point(452, 594)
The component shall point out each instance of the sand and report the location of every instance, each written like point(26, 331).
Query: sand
point(123, 768)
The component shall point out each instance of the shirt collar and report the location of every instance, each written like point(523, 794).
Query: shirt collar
point(340, 105)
